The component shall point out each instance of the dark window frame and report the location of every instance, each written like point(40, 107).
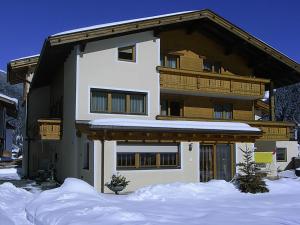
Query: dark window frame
point(127, 94)
point(284, 154)
point(215, 66)
point(223, 112)
point(157, 166)
point(133, 47)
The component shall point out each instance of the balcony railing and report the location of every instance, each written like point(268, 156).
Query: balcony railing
point(49, 129)
point(211, 83)
point(271, 130)
point(279, 131)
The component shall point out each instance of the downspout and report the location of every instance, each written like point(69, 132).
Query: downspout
point(26, 133)
point(102, 165)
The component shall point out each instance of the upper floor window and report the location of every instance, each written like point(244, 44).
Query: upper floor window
point(123, 102)
point(223, 111)
point(170, 61)
point(281, 155)
point(127, 53)
point(211, 66)
point(170, 108)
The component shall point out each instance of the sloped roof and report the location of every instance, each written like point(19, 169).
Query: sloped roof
point(18, 68)
point(57, 46)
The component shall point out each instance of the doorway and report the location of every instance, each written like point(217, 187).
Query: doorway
point(217, 161)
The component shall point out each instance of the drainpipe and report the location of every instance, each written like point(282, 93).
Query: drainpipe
point(102, 165)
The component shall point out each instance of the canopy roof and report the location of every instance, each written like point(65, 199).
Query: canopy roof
point(262, 57)
point(138, 129)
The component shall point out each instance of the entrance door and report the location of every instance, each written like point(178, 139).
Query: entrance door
point(206, 163)
point(223, 162)
point(216, 162)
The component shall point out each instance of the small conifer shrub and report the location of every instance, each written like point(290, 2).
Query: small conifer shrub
point(249, 179)
point(118, 183)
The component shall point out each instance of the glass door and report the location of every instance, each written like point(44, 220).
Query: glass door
point(206, 163)
point(223, 162)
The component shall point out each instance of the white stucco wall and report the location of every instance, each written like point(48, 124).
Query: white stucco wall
point(292, 151)
point(189, 171)
point(99, 67)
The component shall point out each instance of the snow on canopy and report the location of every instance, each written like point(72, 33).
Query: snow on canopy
point(197, 125)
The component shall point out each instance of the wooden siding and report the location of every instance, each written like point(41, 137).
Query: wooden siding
point(278, 131)
point(272, 131)
point(49, 129)
point(209, 83)
point(203, 107)
point(193, 48)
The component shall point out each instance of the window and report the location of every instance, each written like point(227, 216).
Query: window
point(211, 66)
point(147, 156)
point(118, 103)
point(168, 159)
point(127, 53)
point(207, 65)
point(98, 101)
point(170, 61)
point(86, 157)
point(122, 102)
point(164, 107)
point(137, 104)
point(170, 108)
point(147, 159)
point(223, 111)
point(281, 155)
point(126, 159)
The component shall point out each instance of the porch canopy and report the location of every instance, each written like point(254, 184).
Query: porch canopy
point(162, 130)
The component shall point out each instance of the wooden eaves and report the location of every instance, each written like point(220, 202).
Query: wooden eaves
point(19, 68)
point(57, 47)
point(96, 132)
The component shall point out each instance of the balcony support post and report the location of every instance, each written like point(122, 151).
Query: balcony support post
point(271, 102)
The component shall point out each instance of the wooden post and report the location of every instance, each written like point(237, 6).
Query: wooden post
point(102, 166)
point(271, 102)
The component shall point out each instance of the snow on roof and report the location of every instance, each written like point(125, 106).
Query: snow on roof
point(10, 99)
point(197, 125)
point(3, 71)
point(118, 23)
point(26, 57)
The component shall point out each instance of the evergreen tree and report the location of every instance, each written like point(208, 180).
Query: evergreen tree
point(249, 179)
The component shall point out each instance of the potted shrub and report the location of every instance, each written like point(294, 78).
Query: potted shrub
point(118, 183)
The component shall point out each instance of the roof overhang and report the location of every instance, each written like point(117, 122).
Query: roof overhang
point(265, 59)
point(17, 69)
point(158, 130)
point(10, 105)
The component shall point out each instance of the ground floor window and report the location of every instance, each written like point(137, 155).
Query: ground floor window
point(281, 155)
point(147, 156)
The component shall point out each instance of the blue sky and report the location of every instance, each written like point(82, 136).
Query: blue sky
point(25, 24)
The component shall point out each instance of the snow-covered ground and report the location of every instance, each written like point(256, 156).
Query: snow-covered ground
point(9, 174)
point(212, 203)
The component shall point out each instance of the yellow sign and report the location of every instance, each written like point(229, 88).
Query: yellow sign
point(263, 157)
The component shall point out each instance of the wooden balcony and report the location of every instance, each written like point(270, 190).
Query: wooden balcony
point(49, 129)
point(210, 83)
point(272, 130)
